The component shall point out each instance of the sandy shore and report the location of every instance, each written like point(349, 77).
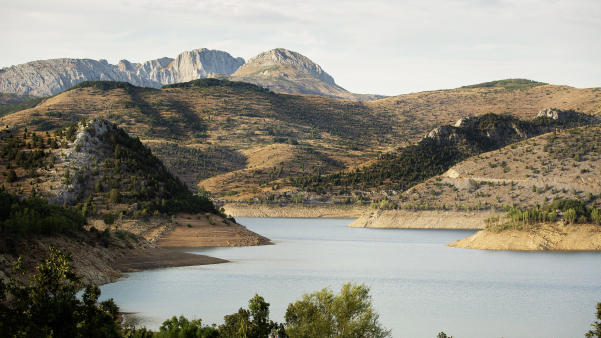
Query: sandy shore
point(294, 210)
point(162, 258)
point(423, 219)
point(189, 231)
point(558, 236)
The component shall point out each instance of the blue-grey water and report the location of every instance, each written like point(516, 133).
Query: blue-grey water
point(418, 285)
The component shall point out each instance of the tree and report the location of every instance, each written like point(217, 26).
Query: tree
point(183, 328)
point(251, 323)
point(12, 176)
point(115, 196)
point(596, 333)
point(47, 305)
point(98, 186)
point(323, 314)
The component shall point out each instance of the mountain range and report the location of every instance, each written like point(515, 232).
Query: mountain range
point(279, 70)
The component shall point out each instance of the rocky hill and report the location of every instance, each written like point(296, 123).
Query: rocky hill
point(50, 77)
point(535, 172)
point(93, 191)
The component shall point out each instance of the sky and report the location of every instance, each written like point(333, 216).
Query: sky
point(372, 47)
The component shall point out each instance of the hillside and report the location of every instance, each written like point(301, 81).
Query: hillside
point(232, 136)
point(90, 189)
point(535, 172)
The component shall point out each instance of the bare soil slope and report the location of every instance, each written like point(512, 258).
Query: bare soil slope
point(208, 231)
point(558, 236)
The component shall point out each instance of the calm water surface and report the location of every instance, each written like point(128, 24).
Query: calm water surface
point(419, 286)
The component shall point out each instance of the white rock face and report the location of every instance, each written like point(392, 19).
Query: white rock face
point(49, 77)
point(554, 114)
point(299, 61)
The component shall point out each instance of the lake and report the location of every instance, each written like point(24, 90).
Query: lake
point(419, 286)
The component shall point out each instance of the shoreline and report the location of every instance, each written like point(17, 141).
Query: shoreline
point(161, 258)
point(189, 231)
point(558, 236)
point(294, 210)
point(424, 219)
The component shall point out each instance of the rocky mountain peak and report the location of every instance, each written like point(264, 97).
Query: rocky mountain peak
point(287, 57)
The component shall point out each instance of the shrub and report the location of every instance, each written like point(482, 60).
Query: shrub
point(109, 219)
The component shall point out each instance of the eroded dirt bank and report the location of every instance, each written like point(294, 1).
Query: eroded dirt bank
point(100, 259)
point(424, 219)
point(558, 236)
point(208, 231)
point(297, 211)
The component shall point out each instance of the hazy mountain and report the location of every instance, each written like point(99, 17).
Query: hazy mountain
point(49, 77)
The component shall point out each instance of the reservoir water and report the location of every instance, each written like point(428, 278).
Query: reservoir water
point(419, 286)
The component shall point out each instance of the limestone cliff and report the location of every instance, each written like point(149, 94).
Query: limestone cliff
point(49, 77)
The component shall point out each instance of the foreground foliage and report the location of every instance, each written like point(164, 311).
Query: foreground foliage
point(47, 306)
point(324, 314)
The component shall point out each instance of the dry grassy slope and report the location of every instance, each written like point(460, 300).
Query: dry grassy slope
point(225, 124)
point(442, 107)
point(512, 174)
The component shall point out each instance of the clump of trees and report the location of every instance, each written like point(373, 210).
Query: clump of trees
point(34, 215)
point(325, 314)
point(574, 211)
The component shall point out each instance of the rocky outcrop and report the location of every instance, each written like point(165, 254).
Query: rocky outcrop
point(49, 77)
point(86, 148)
point(567, 116)
point(502, 130)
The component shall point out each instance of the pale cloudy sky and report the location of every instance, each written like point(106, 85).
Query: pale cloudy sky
point(383, 46)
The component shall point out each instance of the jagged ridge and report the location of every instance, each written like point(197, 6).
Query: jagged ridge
point(49, 77)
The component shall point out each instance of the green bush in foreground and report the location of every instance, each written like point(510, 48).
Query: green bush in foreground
point(324, 314)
